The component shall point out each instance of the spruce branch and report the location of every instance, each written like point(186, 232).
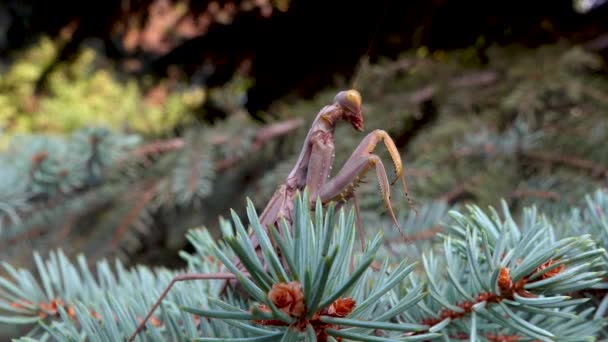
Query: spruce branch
point(263, 135)
point(493, 279)
point(306, 288)
point(70, 300)
point(69, 180)
point(503, 275)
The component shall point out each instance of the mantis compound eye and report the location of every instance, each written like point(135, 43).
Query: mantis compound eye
point(351, 101)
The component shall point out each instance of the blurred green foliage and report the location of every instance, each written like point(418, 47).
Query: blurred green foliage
point(81, 93)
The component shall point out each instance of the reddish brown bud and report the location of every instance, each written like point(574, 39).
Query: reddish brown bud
point(505, 283)
point(39, 157)
point(503, 338)
point(341, 307)
point(21, 304)
point(71, 312)
point(289, 298)
point(274, 322)
point(95, 315)
point(551, 273)
point(52, 306)
point(155, 321)
point(264, 308)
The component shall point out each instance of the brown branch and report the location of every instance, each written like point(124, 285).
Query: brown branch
point(51, 309)
point(143, 199)
point(422, 235)
point(596, 169)
point(426, 234)
point(460, 190)
point(157, 147)
point(470, 80)
point(560, 129)
point(475, 79)
point(531, 193)
point(93, 199)
point(263, 135)
point(179, 278)
point(507, 290)
point(491, 337)
point(194, 169)
point(36, 161)
point(66, 228)
point(418, 172)
point(27, 235)
point(597, 44)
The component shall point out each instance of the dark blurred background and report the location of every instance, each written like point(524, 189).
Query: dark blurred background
point(285, 46)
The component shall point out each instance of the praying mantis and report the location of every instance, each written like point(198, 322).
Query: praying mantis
point(312, 171)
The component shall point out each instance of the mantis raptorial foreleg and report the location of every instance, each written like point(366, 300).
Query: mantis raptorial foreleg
point(341, 187)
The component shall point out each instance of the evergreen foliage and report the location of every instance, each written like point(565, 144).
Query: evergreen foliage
point(83, 92)
point(491, 281)
point(526, 128)
point(111, 186)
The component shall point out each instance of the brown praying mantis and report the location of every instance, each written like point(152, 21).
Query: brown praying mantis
point(312, 171)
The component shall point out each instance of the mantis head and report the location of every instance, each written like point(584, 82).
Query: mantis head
point(350, 102)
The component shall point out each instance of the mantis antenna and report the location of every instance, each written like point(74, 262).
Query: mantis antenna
point(365, 57)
